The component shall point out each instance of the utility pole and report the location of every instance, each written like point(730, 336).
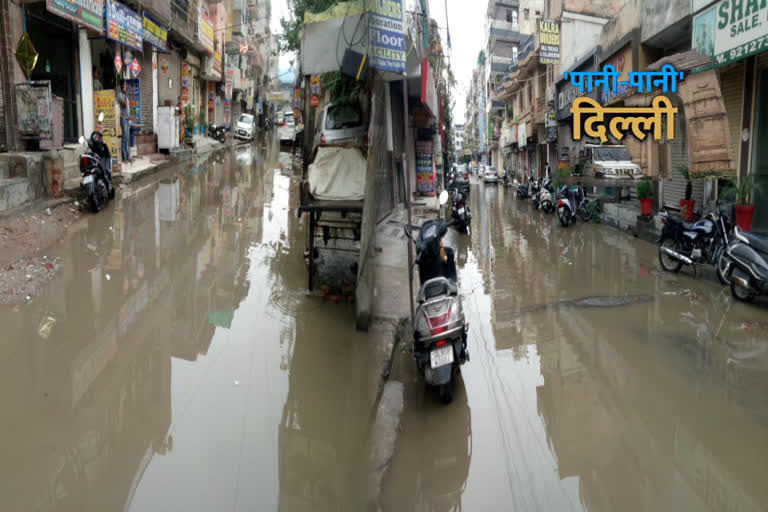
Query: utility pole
point(407, 136)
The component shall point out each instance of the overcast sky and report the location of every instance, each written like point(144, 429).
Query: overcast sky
point(466, 20)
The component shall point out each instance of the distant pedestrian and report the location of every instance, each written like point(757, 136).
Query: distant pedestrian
point(97, 85)
point(125, 148)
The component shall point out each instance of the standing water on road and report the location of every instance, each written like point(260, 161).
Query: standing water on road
point(176, 362)
point(597, 382)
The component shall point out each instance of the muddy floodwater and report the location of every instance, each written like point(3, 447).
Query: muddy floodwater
point(176, 363)
point(596, 381)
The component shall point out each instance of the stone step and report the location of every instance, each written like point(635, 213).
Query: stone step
point(14, 192)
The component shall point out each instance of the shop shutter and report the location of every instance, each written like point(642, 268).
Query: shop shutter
point(145, 89)
point(732, 84)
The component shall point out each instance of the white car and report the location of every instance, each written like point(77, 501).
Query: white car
point(338, 124)
point(245, 127)
point(490, 175)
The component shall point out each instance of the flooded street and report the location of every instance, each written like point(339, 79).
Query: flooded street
point(176, 363)
point(596, 381)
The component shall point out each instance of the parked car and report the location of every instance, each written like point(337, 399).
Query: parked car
point(339, 124)
point(288, 118)
point(610, 161)
point(490, 175)
point(245, 128)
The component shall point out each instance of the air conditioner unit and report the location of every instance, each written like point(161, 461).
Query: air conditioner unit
point(551, 94)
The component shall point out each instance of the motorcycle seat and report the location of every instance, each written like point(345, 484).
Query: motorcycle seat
point(758, 242)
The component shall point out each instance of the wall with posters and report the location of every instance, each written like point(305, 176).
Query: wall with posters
point(168, 78)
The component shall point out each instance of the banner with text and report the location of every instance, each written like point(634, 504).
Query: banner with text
point(730, 31)
point(124, 25)
point(386, 35)
point(154, 33)
point(86, 13)
point(204, 30)
point(425, 179)
point(549, 41)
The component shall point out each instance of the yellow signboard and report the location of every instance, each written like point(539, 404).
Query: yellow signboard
point(104, 101)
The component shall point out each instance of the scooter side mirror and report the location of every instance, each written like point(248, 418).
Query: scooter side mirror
point(443, 197)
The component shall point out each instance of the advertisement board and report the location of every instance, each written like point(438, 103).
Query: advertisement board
point(154, 33)
point(86, 14)
point(549, 39)
point(387, 35)
point(728, 31)
point(124, 25)
point(229, 84)
point(204, 30)
point(104, 101)
point(425, 179)
point(133, 91)
point(184, 81)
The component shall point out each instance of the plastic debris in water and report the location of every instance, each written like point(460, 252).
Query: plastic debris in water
point(108, 277)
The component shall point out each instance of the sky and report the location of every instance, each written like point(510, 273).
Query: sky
point(466, 20)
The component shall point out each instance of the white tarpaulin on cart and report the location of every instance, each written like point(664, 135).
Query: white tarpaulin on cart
point(337, 174)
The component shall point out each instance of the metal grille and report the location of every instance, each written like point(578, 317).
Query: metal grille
point(145, 88)
point(732, 85)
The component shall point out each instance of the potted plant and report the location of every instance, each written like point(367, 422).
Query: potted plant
point(686, 205)
point(742, 190)
point(645, 194)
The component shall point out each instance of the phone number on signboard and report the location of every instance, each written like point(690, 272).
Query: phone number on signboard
point(743, 51)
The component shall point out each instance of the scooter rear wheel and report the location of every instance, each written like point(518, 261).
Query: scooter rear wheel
point(741, 293)
point(446, 392)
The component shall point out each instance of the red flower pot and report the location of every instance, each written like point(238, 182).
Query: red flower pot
point(744, 214)
point(645, 206)
point(686, 209)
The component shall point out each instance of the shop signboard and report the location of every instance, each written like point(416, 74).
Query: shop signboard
point(88, 14)
point(124, 25)
point(425, 180)
point(277, 96)
point(184, 81)
point(521, 135)
point(211, 95)
point(104, 101)
point(428, 92)
point(133, 91)
point(549, 41)
point(204, 30)
point(154, 33)
point(387, 35)
point(730, 31)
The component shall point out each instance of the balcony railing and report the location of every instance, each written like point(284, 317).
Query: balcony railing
point(505, 25)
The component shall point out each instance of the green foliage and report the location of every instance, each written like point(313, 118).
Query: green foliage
point(742, 190)
point(597, 209)
point(290, 39)
point(684, 172)
point(644, 190)
point(342, 88)
point(189, 118)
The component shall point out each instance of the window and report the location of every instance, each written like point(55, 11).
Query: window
point(514, 55)
point(342, 116)
point(538, 14)
point(527, 13)
point(514, 17)
point(509, 15)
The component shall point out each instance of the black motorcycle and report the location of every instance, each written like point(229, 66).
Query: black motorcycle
point(522, 191)
point(460, 210)
point(440, 330)
point(703, 242)
point(96, 170)
point(218, 132)
point(747, 265)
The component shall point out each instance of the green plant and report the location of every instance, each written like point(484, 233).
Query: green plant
point(741, 190)
point(597, 209)
point(685, 172)
point(342, 88)
point(189, 118)
point(644, 190)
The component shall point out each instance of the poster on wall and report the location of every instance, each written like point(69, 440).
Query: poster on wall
point(124, 25)
point(104, 101)
point(184, 81)
point(211, 95)
point(133, 91)
point(425, 181)
point(229, 84)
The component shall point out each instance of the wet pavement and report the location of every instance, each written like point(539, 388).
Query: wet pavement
point(176, 362)
point(596, 382)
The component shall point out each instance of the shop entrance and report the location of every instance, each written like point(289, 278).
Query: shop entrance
point(55, 42)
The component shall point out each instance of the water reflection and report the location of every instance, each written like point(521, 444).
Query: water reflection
point(156, 371)
point(653, 405)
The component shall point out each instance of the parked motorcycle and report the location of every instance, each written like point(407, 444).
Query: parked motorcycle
point(545, 196)
point(440, 333)
point(747, 265)
point(703, 242)
point(96, 170)
point(522, 191)
point(218, 132)
point(535, 188)
point(460, 210)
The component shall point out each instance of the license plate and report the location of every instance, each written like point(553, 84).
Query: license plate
point(560, 210)
point(441, 356)
point(461, 211)
point(88, 179)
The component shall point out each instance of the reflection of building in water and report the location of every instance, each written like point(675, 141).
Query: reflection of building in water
point(640, 431)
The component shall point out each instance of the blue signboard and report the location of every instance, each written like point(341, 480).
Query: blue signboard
point(387, 35)
point(124, 25)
